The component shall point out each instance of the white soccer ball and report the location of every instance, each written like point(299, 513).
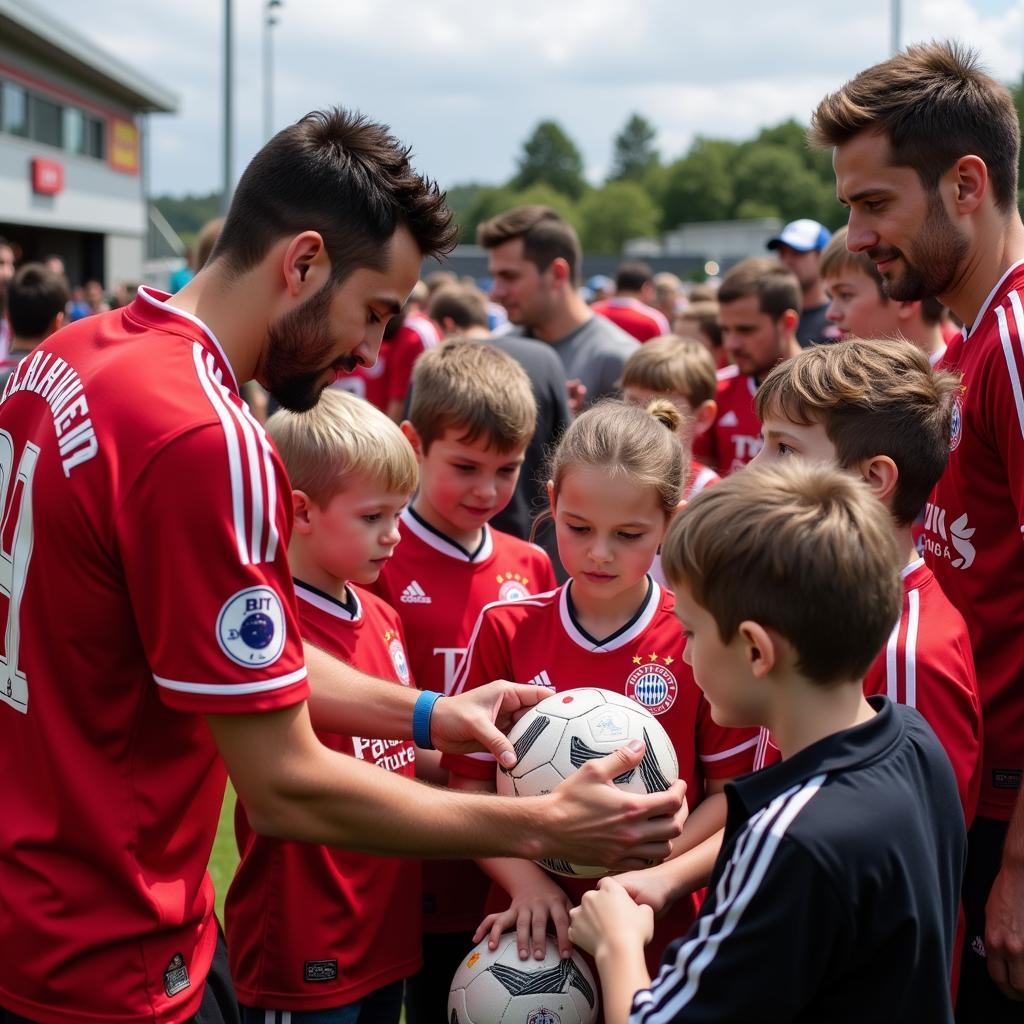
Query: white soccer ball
point(563, 732)
point(499, 988)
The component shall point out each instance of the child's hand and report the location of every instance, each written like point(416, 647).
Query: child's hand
point(649, 888)
point(608, 913)
point(529, 913)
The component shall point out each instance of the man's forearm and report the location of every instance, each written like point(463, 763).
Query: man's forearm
point(343, 699)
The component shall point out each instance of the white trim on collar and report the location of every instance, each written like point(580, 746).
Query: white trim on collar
point(620, 639)
point(911, 567)
point(150, 295)
point(991, 295)
point(443, 545)
point(339, 611)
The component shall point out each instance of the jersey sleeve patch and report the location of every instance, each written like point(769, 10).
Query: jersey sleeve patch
point(251, 627)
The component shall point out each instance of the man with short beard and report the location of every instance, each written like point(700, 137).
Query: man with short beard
point(150, 627)
point(925, 152)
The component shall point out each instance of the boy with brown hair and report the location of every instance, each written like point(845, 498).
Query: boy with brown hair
point(877, 410)
point(471, 418)
point(835, 893)
point(860, 308)
point(681, 370)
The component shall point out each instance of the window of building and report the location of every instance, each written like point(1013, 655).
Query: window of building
point(46, 121)
point(95, 137)
point(14, 112)
point(74, 130)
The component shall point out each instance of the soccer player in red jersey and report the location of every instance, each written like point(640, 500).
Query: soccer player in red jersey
point(759, 308)
point(317, 928)
point(617, 478)
point(629, 308)
point(877, 409)
point(925, 152)
point(472, 416)
point(142, 497)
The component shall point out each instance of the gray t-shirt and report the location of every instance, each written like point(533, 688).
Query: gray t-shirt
point(595, 354)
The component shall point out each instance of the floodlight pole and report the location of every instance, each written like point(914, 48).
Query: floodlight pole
point(269, 21)
point(895, 24)
point(227, 184)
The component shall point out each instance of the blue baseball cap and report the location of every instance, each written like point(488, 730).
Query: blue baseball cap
point(802, 235)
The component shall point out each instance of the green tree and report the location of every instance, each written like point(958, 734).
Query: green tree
point(635, 155)
point(612, 215)
point(700, 186)
point(488, 202)
point(188, 213)
point(550, 157)
point(775, 178)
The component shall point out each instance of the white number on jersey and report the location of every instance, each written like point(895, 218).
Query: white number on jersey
point(16, 502)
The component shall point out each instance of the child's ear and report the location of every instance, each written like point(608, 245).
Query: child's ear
point(907, 310)
point(881, 474)
point(412, 435)
point(760, 648)
point(301, 508)
point(704, 416)
point(550, 487)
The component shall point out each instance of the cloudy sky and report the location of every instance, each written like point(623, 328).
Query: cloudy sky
point(464, 81)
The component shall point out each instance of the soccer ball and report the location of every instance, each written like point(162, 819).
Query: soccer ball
point(496, 987)
point(566, 730)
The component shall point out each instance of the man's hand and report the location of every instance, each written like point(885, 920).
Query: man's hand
point(1004, 931)
point(607, 914)
point(576, 393)
point(589, 820)
point(479, 719)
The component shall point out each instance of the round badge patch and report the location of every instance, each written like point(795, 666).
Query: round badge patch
point(250, 627)
point(397, 652)
point(956, 424)
point(653, 687)
point(512, 590)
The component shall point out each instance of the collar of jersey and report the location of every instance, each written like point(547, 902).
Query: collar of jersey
point(629, 632)
point(840, 752)
point(155, 302)
point(440, 542)
point(351, 612)
point(991, 296)
point(911, 567)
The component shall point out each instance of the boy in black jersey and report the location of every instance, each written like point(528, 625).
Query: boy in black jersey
point(835, 895)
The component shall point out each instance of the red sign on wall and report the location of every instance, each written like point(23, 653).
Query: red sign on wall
point(47, 176)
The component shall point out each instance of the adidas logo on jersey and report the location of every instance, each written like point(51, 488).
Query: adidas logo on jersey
point(415, 594)
point(730, 419)
point(541, 679)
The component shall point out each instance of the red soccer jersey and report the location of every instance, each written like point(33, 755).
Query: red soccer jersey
point(973, 527)
point(145, 559)
point(439, 590)
point(538, 640)
point(735, 436)
point(634, 317)
point(316, 927)
point(927, 664)
point(701, 476)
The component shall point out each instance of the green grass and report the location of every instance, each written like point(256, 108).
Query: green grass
point(224, 858)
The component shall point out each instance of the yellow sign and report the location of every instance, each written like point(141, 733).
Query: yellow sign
point(124, 146)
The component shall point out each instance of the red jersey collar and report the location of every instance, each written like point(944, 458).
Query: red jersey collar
point(990, 301)
point(150, 308)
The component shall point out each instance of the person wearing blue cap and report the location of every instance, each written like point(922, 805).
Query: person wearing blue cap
point(799, 246)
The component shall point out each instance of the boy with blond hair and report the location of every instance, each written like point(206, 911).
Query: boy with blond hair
point(315, 930)
point(471, 418)
point(682, 371)
point(834, 897)
point(859, 306)
point(877, 410)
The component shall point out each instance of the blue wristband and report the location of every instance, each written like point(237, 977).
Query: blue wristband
point(422, 711)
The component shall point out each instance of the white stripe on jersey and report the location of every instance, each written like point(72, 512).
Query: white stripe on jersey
point(1008, 352)
point(732, 751)
point(234, 452)
point(892, 663)
point(258, 464)
point(910, 650)
point(700, 481)
point(231, 689)
point(677, 983)
point(425, 330)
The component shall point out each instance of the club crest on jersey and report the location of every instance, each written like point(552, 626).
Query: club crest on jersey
point(652, 685)
point(398, 659)
point(956, 426)
point(250, 627)
point(512, 586)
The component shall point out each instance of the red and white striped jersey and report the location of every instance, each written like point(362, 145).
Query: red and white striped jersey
point(633, 316)
point(146, 575)
point(927, 664)
point(735, 436)
point(538, 640)
point(973, 525)
point(315, 927)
